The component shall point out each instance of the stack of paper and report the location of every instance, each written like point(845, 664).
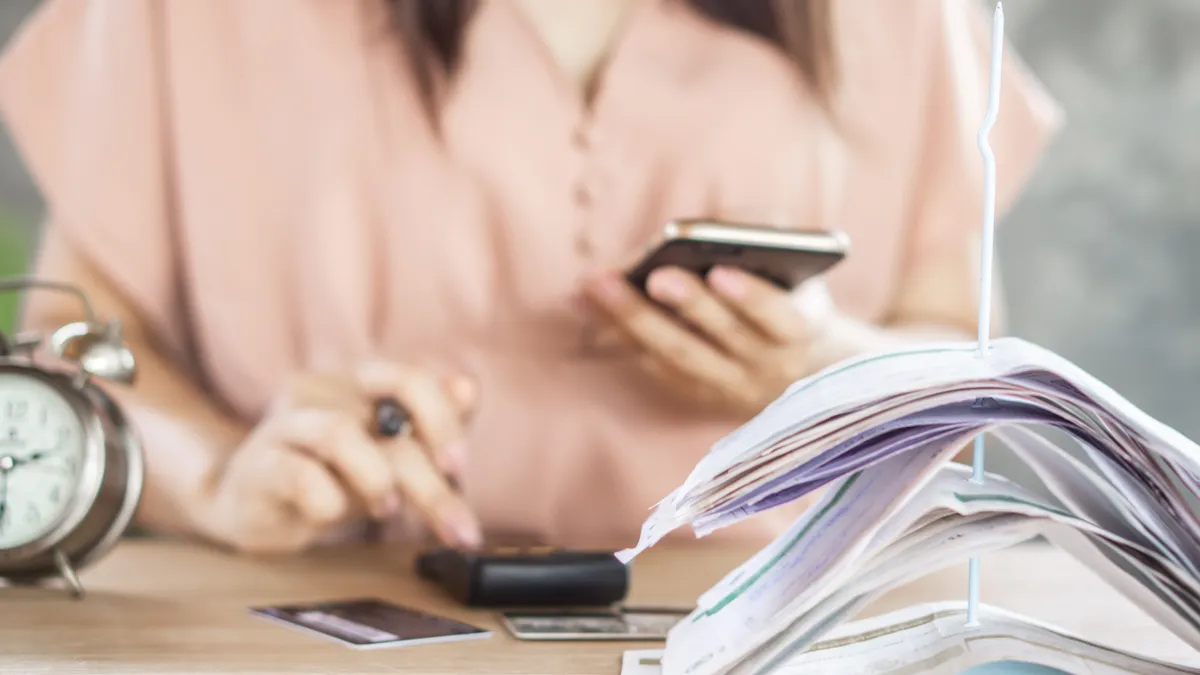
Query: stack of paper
point(878, 434)
point(935, 639)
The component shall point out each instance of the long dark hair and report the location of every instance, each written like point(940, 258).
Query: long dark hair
point(432, 31)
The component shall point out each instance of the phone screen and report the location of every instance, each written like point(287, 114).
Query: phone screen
point(783, 267)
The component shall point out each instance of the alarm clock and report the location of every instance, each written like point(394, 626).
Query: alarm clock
point(71, 466)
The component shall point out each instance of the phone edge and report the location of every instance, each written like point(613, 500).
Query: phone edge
point(834, 242)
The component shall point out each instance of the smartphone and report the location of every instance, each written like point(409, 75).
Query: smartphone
point(781, 256)
point(627, 624)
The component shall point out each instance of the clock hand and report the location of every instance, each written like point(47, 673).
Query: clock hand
point(29, 459)
point(3, 496)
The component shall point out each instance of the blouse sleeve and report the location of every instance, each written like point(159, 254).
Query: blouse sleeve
point(948, 210)
point(81, 93)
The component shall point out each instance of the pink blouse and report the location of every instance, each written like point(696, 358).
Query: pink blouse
point(258, 178)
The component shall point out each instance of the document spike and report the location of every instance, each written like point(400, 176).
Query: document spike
point(986, 261)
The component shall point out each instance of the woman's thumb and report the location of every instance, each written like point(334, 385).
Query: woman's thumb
point(464, 392)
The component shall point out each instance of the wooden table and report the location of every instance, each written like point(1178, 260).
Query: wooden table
point(163, 607)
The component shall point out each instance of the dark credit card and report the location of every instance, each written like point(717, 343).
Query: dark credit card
point(366, 623)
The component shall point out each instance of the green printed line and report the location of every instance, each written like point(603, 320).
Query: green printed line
point(880, 357)
point(966, 499)
point(745, 585)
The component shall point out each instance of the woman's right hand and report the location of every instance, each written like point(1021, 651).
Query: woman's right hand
point(312, 462)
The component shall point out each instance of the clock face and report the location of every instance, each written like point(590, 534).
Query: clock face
point(42, 445)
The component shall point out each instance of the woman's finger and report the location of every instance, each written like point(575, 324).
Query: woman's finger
point(305, 484)
point(664, 336)
point(769, 308)
point(428, 491)
point(687, 295)
point(677, 383)
point(436, 405)
point(464, 394)
point(742, 397)
point(605, 339)
point(341, 442)
point(323, 392)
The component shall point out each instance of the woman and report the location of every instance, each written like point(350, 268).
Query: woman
point(300, 206)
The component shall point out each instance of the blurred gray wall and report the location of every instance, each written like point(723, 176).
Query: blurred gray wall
point(1099, 257)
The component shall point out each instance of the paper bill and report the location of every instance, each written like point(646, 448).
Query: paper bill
point(875, 434)
point(935, 639)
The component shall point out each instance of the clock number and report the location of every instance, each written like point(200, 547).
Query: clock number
point(32, 516)
point(16, 410)
point(55, 495)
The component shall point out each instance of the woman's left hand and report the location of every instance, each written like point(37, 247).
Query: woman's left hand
point(732, 340)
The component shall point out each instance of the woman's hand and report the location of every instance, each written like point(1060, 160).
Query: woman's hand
point(312, 463)
point(732, 340)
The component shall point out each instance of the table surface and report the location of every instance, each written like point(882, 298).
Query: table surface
point(167, 607)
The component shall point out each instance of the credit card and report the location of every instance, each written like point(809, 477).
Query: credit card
point(624, 624)
point(368, 623)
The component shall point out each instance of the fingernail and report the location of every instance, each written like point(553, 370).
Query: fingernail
point(727, 281)
point(466, 530)
point(456, 457)
point(609, 287)
point(390, 506)
point(463, 389)
point(667, 285)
